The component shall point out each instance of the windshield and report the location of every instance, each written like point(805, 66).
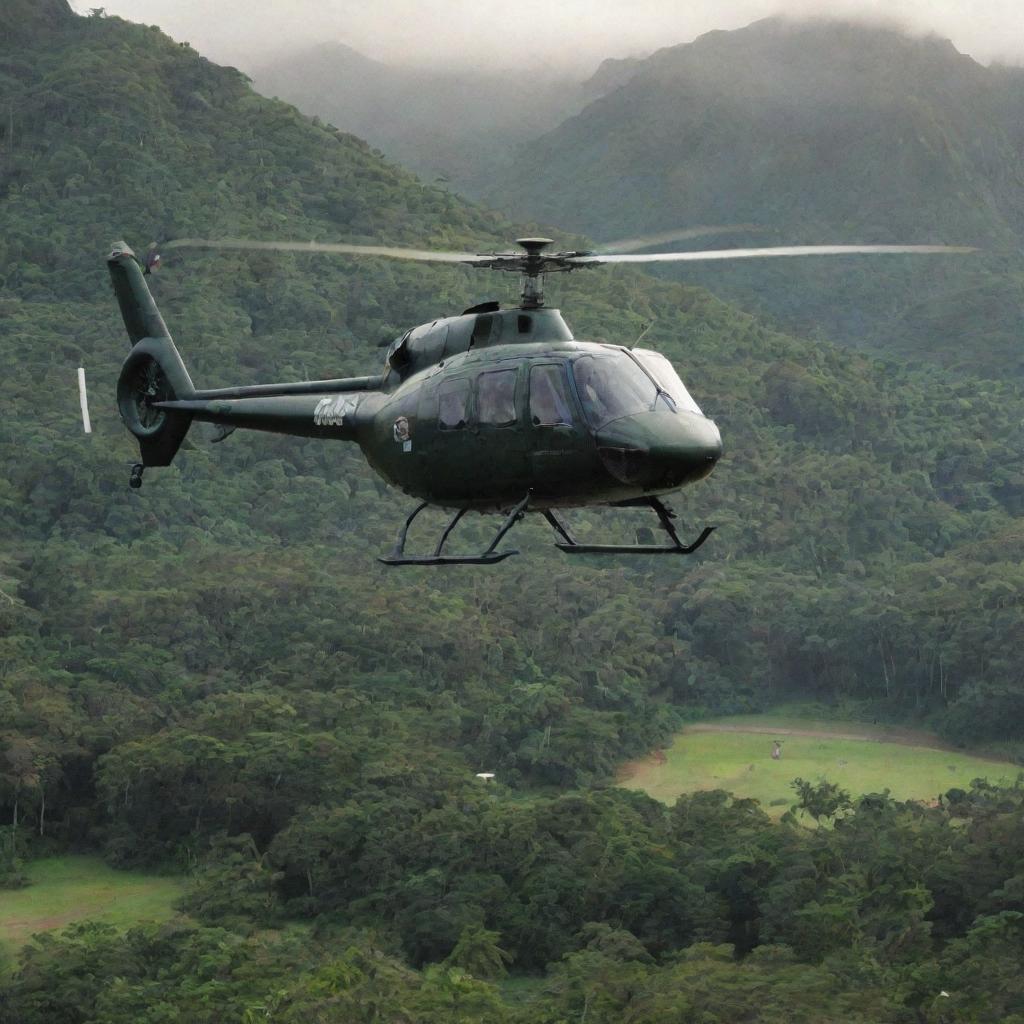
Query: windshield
point(610, 386)
point(664, 373)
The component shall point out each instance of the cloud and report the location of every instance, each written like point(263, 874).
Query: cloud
point(571, 35)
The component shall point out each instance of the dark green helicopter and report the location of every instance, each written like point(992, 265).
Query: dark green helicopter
point(495, 410)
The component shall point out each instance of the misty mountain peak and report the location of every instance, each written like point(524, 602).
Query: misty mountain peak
point(610, 74)
point(815, 131)
point(324, 57)
point(786, 32)
point(835, 59)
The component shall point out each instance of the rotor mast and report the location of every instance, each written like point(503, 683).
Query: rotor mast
point(533, 263)
point(532, 296)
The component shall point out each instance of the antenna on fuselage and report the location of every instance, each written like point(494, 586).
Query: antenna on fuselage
point(643, 333)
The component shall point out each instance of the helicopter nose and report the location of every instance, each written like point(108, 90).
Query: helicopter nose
point(659, 449)
point(703, 443)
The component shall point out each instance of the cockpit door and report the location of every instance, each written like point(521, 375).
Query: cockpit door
point(446, 415)
point(560, 448)
point(500, 431)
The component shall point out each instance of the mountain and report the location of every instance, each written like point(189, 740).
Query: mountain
point(610, 74)
point(457, 123)
point(817, 132)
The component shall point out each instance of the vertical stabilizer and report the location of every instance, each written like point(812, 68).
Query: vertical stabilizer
point(153, 371)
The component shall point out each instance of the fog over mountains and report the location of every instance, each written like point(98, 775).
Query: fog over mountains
point(460, 124)
point(532, 35)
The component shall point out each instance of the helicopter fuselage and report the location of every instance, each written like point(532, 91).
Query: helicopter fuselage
point(474, 411)
point(482, 430)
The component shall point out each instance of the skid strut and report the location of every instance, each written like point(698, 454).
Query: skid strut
point(488, 557)
point(665, 516)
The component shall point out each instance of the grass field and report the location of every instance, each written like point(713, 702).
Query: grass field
point(735, 754)
point(66, 889)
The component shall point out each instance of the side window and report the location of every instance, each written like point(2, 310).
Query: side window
point(549, 401)
point(453, 404)
point(483, 329)
point(496, 398)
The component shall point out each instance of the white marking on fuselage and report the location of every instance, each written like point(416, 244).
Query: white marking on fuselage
point(331, 411)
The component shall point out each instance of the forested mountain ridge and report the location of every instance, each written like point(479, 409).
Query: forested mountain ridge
point(27, 18)
point(214, 673)
point(791, 80)
point(817, 132)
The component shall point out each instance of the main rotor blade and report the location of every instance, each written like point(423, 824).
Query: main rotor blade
point(679, 235)
point(344, 248)
point(785, 250)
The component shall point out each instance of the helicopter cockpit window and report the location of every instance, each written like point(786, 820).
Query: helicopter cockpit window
point(611, 386)
point(496, 398)
point(453, 404)
point(664, 373)
point(549, 401)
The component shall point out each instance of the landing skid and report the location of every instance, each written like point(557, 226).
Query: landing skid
point(488, 557)
point(665, 515)
point(569, 543)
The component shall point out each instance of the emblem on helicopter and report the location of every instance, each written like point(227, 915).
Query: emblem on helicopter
point(331, 412)
point(401, 432)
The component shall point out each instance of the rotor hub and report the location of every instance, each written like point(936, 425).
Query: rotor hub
point(532, 295)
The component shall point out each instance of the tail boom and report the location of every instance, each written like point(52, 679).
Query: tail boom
point(158, 401)
point(332, 415)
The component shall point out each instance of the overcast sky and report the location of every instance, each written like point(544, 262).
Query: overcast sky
point(574, 34)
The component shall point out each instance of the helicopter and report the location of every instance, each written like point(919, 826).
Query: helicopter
point(493, 411)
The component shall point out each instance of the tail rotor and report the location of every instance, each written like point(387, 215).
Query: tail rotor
point(153, 372)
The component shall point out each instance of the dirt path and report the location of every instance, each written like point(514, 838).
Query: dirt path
point(25, 926)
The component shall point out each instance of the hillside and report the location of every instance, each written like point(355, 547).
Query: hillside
point(25, 19)
point(817, 132)
point(213, 675)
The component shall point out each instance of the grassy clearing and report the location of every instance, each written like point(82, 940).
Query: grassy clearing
point(735, 754)
point(67, 889)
